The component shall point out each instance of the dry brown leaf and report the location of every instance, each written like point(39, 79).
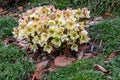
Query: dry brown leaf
point(88, 55)
point(38, 74)
point(43, 63)
point(106, 60)
point(112, 55)
point(102, 69)
point(108, 15)
point(63, 61)
point(86, 47)
point(53, 67)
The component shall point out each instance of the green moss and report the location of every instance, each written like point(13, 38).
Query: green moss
point(81, 70)
point(12, 65)
point(109, 32)
point(6, 26)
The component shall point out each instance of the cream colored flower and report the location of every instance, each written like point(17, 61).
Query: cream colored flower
point(51, 22)
point(82, 26)
point(74, 36)
point(84, 39)
point(68, 13)
point(44, 36)
point(71, 41)
point(51, 32)
point(22, 25)
point(56, 42)
point(79, 13)
point(34, 47)
point(74, 47)
point(59, 32)
point(84, 32)
point(42, 42)
point(62, 21)
point(86, 13)
point(64, 38)
point(69, 24)
point(15, 32)
point(46, 25)
point(59, 14)
point(48, 48)
point(36, 39)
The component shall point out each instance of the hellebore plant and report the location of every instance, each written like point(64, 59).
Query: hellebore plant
point(51, 28)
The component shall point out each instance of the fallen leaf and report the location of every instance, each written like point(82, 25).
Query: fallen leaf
point(106, 60)
point(43, 63)
point(112, 55)
point(38, 74)
point(88, 55)
point(102, 69)
point(53, 67)
point(63, 61)
point(108, 15)
point(86, 47)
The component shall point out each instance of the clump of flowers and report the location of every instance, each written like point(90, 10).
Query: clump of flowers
point(50, 29)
